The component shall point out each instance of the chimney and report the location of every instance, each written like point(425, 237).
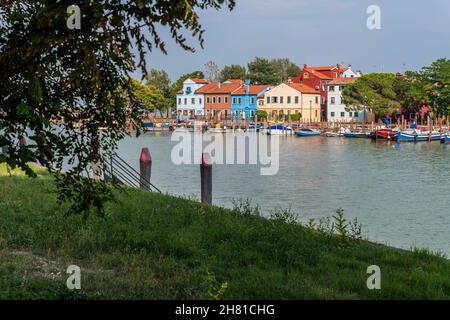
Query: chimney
point(247, 87)
point(289, 80)
point(219, 85)
point(305, 66)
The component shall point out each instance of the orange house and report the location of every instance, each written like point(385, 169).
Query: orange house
point(217, 98)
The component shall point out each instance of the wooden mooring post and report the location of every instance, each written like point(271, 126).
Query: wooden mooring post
point(206, 178)
point(145, 163)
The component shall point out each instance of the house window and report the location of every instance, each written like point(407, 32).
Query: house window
point(208, 100)
point(214, 99)
point(316, 113)
point(332, 100)
point(193, 101)
point(350, 114)
point(234, 100)
point(342, 114)
point(226, 113)
point(281, 99)
point(331, 89)
point(289, 99)
point(252, 100)
point(239, 100)
point(188, 90)
point(219, 100)
point(200, 100)
point(261, 102)
point(281, 112)
point(274, 99)
point(323, 100)
point(268, 100)
point(296, 100)
point(214, 112)
point(317, 99)
point(185, 100)
point(356, 114)
point(179, 100)
point(226, 99)
point(332, 114)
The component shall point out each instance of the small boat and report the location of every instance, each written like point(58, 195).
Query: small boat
point(446, 138)
point(306, 132)
point(416, 136)
point(278, 130)
point(384, 134)
point(333, 134)
point(363, 135)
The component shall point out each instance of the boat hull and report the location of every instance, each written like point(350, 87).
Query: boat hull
point(415, 137)
point(301, 133)
point(353, 135)
point(384, 134)
point(445, 139)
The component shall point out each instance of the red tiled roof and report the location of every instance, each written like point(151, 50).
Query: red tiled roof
point(198, 80)
point(212, 88)
point(254, 89)
point(343, 80)
point(303, 88)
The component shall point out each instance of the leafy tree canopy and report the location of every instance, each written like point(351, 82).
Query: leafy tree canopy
point(261, 71)
point(233, 71)
point(59, 86)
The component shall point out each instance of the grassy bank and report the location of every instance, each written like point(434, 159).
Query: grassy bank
point(155, 246)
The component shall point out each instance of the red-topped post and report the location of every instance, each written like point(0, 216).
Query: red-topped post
point(145, 162)
point(206, 178)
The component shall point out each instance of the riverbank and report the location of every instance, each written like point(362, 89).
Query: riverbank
point(155, 246)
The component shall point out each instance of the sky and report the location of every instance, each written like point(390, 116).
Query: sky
point(413, 34)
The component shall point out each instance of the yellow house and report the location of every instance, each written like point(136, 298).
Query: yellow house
point(292, 98)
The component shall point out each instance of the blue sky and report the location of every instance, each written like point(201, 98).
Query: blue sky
point(414, 33)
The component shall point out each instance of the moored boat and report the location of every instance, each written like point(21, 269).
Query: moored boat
point(306, 132)
point(417, 136)
point(446, 138)
point(278, 130)
point(357, 135)
point(384, 134)
point(333, 134)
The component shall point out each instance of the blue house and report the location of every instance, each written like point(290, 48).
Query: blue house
point(244, 100)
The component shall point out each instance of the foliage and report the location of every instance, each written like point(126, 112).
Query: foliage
point(148, 97)
point(437, 76)
point(216, 289)
point(262, 71)
point(51, 75)
point(286, 67)
point(155, 246)
point(233, 71)
point(296, 116)
point(374, 91)
point(160, 80)
point(262, 114)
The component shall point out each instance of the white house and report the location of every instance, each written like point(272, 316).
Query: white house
point(336, 107)
point(189, 103)
point(349, 73)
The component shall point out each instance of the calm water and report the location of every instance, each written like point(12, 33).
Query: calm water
point(399, 192)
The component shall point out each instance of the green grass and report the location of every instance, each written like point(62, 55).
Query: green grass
point(154, 246)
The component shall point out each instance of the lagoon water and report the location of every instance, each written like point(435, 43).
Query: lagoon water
point(399, 192)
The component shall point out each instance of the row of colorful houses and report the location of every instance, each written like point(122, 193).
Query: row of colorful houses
point(316, 94)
